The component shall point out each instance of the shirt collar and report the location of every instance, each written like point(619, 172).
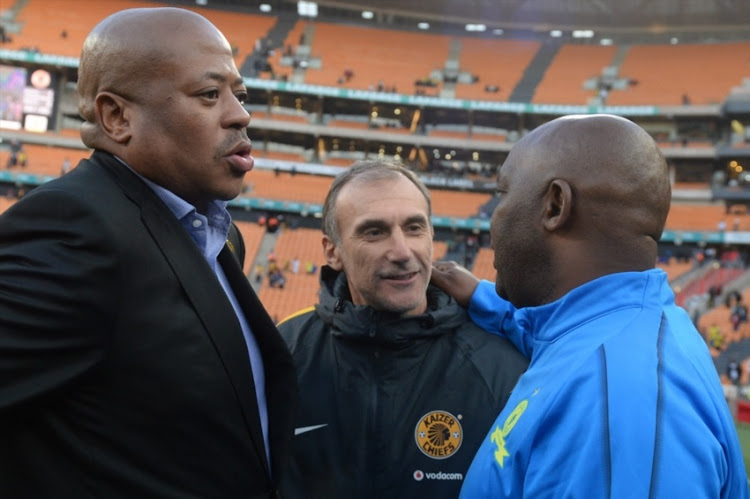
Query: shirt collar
point(217, 215)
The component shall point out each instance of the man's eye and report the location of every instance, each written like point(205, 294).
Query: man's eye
point(211, 94)
point(242, 97)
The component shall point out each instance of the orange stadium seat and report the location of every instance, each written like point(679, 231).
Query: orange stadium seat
point(571, 67)
point(495, 62)
point(439, 250)
point(675, 268)
point(252, 234)
point(684, 216)
point(301, 289)
point(664, 73)
point(394, 57)
point(457, 203)
point(484, 264)
point(46, 160)
point(292, 40)
point(302, 188)
point(44, 21)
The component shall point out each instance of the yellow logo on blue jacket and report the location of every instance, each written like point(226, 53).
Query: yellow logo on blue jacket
point(498, 435)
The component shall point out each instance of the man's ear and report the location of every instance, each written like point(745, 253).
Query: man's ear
point(331, 253)
point(558, 205)
point(113, 114)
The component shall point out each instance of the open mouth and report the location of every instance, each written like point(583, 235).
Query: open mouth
point(240, 157)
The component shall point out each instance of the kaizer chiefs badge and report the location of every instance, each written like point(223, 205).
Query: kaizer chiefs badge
point(438, 434)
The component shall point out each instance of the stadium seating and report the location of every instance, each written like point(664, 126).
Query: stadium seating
point(705, 73)
point(574, 64)
point(439, 249)
point(684, 216)
point(301, 289)
point(457, 203)
point(484, 264)
point(285, 187)
point(494, 62)
point(292, 40)
point(395, 58)
point(43, 22)
point(45, 160)
point(252, 234)
point(675, 268)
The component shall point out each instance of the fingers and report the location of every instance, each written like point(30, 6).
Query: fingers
point(445, 265)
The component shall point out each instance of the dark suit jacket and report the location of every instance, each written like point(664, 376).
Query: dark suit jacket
point(123, 368)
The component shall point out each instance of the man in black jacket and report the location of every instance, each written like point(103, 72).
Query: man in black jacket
point(135, 359)
point(397, 386)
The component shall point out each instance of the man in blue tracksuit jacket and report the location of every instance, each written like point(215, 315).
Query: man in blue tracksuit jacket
point(621, 398)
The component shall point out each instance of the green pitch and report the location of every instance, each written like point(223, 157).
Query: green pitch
point(743, 430)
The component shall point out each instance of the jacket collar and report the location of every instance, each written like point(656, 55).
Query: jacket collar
point(593, 299)
point(363, 323)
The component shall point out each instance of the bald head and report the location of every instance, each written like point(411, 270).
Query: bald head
point(583, 196)
point(615, 167)
point(128, 50)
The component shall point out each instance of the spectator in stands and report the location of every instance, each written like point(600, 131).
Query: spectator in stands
point(387, 366)
point(295, 265)
point(276, 278)
point(135, 359)
point(739, 315)
point(715, 337)
point(734, 371)
point(622, 397)
point(310, 268)
point(23, 158)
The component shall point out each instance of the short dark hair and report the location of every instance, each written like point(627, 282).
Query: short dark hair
point(361, 171)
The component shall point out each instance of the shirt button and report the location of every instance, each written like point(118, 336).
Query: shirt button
point(197, 223)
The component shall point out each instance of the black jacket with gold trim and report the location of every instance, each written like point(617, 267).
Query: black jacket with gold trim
point(390, 406)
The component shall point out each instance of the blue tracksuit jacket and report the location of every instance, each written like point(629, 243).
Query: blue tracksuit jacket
point(621, 400)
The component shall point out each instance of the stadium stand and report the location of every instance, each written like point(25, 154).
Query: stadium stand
point(46, 160)
point(457, 203)
point(675, 268)
point(493, 62)
point(375, 56)
point(280, 71)
point(252, 234)
point(663, 74)
point(45, 21)
point(301, 289)
point(484, 264)
point(439, 250)
point(563, 82)
point(285, 187)
point(684, 216)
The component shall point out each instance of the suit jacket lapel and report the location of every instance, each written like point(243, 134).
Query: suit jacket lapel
point(201, 287)
point(281, 377)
